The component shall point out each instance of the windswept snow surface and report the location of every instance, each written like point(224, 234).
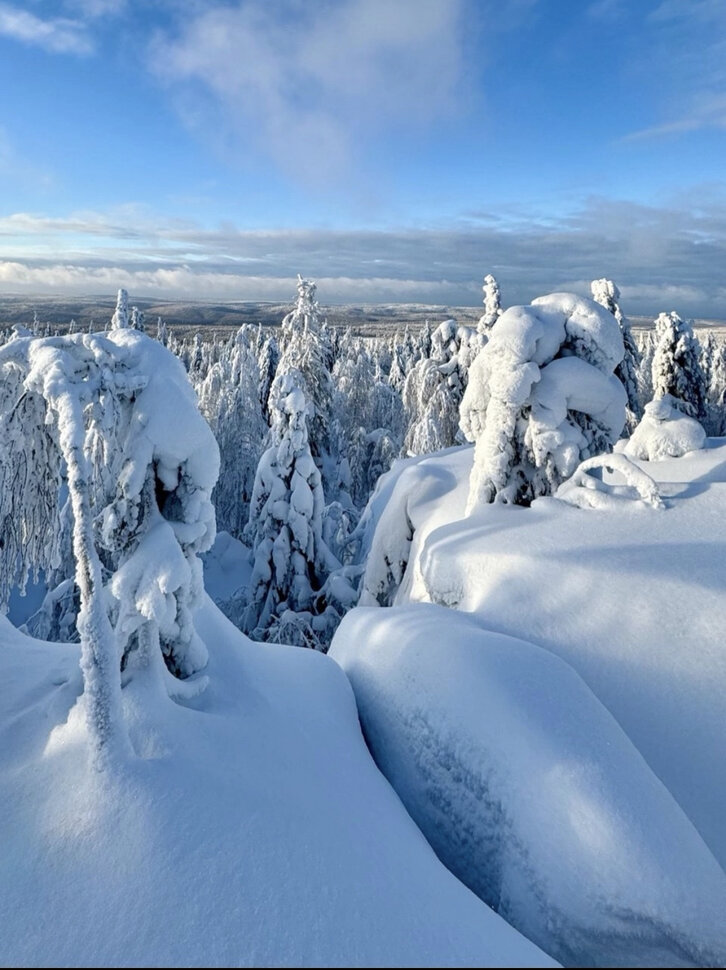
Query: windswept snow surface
point(633, 598)
point(251, 828)
point(530, 791)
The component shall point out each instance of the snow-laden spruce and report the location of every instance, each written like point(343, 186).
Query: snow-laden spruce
point(434, 388)
point(676, 367)
point(606, 293)
point(542, 396)
point(664, 432)
point(229, 398)
point(492, 306)
point(306, 350)
point(288, 600)
point(111, 422)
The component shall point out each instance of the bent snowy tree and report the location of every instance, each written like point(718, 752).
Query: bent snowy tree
point(107, 425)
point(542, 397)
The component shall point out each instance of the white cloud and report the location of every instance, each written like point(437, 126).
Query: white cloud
point(309, 83)
point(662, 258)
point(59, 35)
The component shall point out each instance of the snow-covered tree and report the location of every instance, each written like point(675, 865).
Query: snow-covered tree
point(434, 389)
point(120, 318)
point(229, 400)
point(369, 416)
point(542, 397)
point(162, 333)
point(286, 598)
point(606, 293)
point(269, 358)
point(676, 365)
point(713, 366)
point(492, 306)
point(112, 422)
point(306, 350)
point(137, 320)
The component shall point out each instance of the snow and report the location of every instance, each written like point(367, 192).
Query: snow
point(249, 828)
point(589, 492)
point(633, 600)
point(227, 567)
point(531, 792)
point(664, 432)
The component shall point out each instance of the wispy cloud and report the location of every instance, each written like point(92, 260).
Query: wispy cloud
point(60, 35)
point(686, 52)
point(309, 83)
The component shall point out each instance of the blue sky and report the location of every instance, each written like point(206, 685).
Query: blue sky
point(396, 150)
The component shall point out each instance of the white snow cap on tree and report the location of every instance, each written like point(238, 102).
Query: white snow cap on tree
point(664, 432)
point(492, 305)
point(120, 319)
point(305, 313)
point(542, 397)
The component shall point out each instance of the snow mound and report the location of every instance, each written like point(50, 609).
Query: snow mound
point(664, 432)
point(251, 829)
point(530, 792)
point(638, 610)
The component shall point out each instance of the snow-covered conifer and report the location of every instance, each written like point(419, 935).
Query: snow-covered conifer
point(229, 400)
point(542, 397)
point(676, 365)
point(492, 305)
point(269, 358)
point(113, 421)
point(120, 318)
point(306, 351)
point(606, 293)
point(162, 334)
point(433, 391)
point(291, 559)
point(137, 319)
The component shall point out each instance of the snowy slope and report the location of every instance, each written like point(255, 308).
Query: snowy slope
point(530, 791)
point(252, 829)
point(634, 600)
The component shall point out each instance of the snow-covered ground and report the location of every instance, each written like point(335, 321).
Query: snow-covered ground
point(626, 762)
point(252, 828)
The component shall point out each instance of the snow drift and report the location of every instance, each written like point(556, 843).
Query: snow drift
point(530, 792)
point(250, 828)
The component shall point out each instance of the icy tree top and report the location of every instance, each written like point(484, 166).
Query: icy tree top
point(306, 290)
point(305, 314)
point(120, 319)
point(492, 305)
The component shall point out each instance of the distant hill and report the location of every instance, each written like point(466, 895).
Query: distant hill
point(369, 318)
